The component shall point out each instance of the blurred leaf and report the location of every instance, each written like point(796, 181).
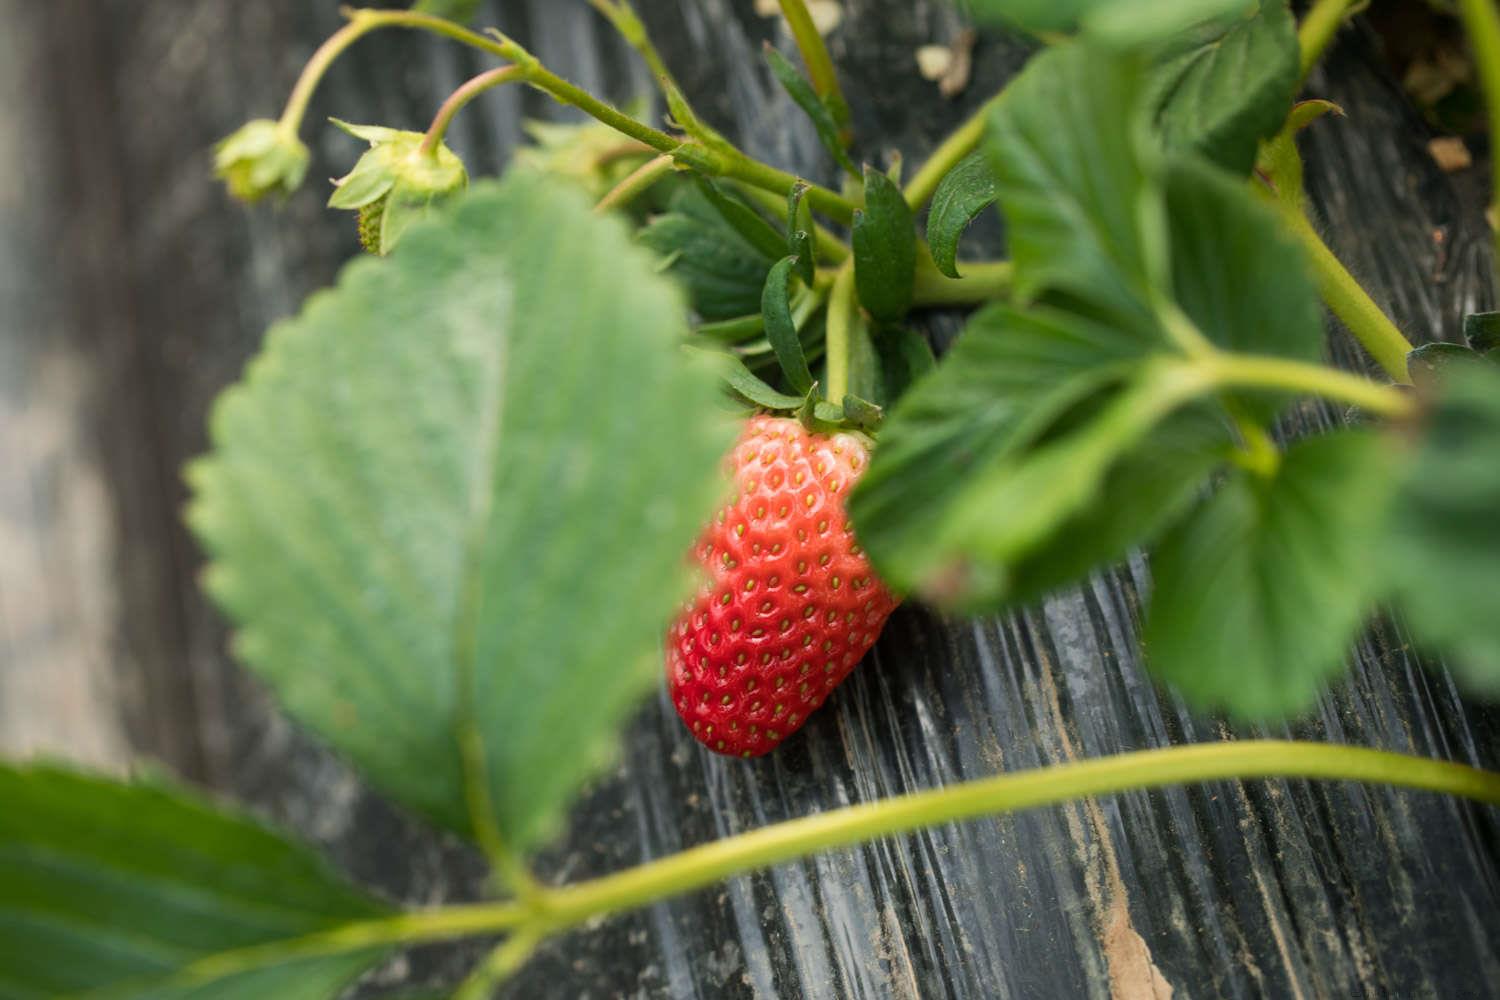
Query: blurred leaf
point(1009, 511)
point(462, 11)
point(802, 93)
point(1429, 364)
point(1482, 331)
point(1443, 548)
point(723, 272)
point(885, 249)
point(1260, 589)
point(1010, 376)
point(431, 503)
point(964, 192)
point(1064, 145)
point(1242, 281)
point(1125, 22)
point(130, 891)
point(1144, 492)
point(905, 356)
point(781, 328)
point(1219, 89)
point(1236, 274)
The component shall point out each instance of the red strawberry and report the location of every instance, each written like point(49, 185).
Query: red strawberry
point(790, 603)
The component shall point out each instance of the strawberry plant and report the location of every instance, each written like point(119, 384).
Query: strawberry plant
point(451, 508)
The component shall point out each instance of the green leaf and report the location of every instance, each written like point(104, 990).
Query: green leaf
point(1008, 512)
point(721, 270)
point(462, 11)
point(1064, 144)
point(802, 93)
point(965, 191)
point(432, 501)
point(1443, 546)
point(130, 891)
point(781, 328)
point(905, 356)
point(1143, 493)
point(732, 331)
point(743, 219)
point(1429, 364)
point(799, 223)
point(862, 413)
point(885, 249)
point(1237, 275)
point(755, 390)
point(866, 370)
point(1010, 377)
point(1066, 436)
point(1482, 331)
point(1260, 589)
point(1221, 88)
point(1124, 22)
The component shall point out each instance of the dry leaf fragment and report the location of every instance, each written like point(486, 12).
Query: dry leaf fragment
point(1450, 153)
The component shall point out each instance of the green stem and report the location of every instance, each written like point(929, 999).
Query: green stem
point(724, 161)
point(963, 141)
point(1263, 372)
point(629, 26)
point(462, 96)
point(1351, 303)
point(757, 174)
point(1317, 28)
point(556, 909)
point(721, 158)
point(820, 72)
point(837, 330)
point(498, 965)
point(981, 282)
point(404, 928)
point(565, 92)
point(828, 246)
point(702, 866)
point(1482, 20)
point(636, 183)
point(361, 23)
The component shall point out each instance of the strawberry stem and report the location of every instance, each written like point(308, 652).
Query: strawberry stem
point(462, 96)
point(549, 911)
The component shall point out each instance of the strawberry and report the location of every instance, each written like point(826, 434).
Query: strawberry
point(790, 603)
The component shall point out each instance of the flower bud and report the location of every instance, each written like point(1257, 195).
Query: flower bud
point(395, 184)
point(261, 157)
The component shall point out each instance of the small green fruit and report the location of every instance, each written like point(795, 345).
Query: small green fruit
point(395, 184)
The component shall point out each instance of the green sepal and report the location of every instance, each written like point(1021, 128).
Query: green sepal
point(798, 223)
point(781, 328)
point(885, 249)
point(965, 191)
point(862, 413)
point(745, 384)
